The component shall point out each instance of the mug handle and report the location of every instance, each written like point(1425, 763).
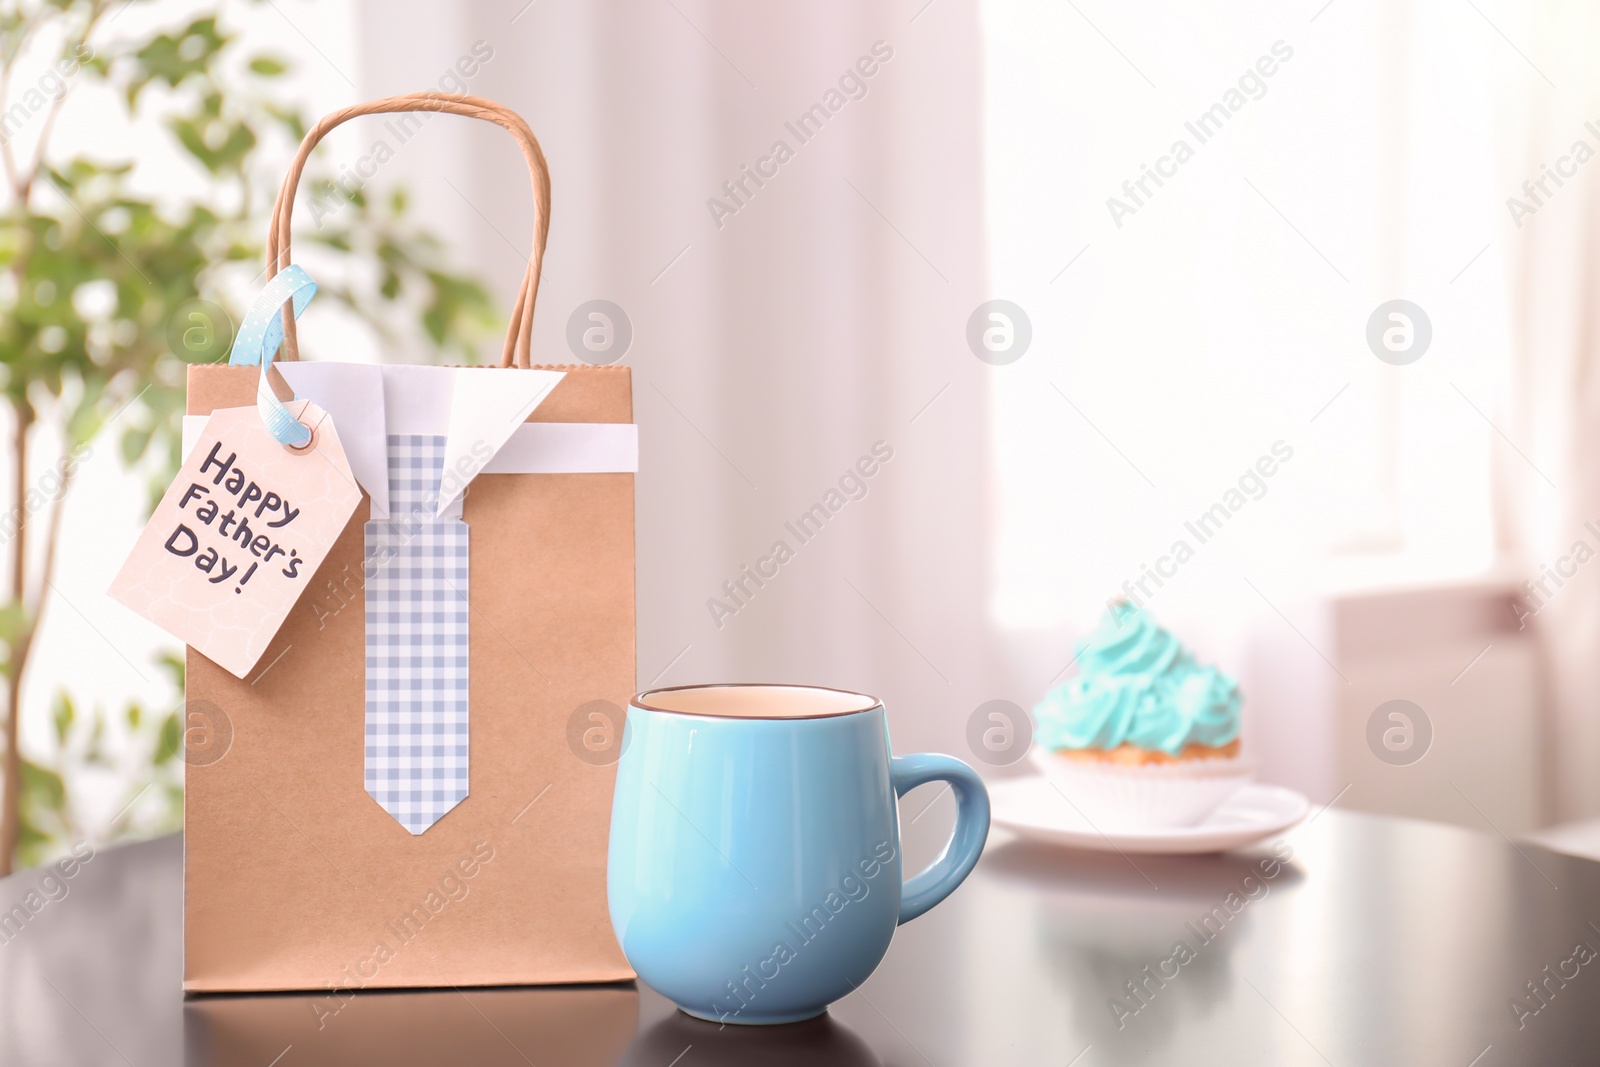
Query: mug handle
point(922, 891)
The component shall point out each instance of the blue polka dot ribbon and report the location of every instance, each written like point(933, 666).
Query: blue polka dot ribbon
point(257, 343)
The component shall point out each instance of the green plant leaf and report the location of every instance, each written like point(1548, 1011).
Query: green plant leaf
point(43, 789)
point(174, 666)
point(14, 618)
point(170, 743)
point(63, 714)
point(135, 440)
point(94, 752)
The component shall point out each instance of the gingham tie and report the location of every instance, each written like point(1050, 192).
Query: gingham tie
point(416, 598)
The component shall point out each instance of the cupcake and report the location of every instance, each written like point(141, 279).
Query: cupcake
point(1143, 736)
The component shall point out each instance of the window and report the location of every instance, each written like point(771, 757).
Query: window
point(1200, 212)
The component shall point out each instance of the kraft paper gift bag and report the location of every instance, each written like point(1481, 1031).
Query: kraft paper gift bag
point(389, 797)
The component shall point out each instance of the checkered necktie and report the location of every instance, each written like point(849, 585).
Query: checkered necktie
point(416, 593)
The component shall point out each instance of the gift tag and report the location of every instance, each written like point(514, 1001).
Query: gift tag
point(239, 534)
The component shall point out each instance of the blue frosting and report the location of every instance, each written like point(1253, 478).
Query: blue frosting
point(1137, 685)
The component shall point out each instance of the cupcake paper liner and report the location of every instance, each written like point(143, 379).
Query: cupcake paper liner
point(1149, 796)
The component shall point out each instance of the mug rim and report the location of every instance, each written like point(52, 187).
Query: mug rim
point(640, 701)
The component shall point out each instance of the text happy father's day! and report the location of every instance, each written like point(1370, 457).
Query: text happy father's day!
point(248, 532)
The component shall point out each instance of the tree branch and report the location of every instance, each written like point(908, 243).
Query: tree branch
point(24, 189)
point(10, 802)
point(8, 64)
point(47, 571)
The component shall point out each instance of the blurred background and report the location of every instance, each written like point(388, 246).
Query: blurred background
point(1298, 288)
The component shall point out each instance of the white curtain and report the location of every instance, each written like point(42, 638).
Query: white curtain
point(776, 347)
point(1552, 408)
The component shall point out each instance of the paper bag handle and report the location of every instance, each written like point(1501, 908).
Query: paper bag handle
point(519, 334)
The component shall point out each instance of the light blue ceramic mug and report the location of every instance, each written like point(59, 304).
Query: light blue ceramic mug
point(754, 872)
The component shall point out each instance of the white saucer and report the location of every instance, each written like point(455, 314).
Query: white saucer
point(1033, 808)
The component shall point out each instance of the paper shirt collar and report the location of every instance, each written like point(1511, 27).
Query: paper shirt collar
point(477, 408)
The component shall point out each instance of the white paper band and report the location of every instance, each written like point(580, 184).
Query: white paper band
point(538, 447)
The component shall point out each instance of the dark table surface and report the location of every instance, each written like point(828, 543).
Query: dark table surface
point(1381, 941)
